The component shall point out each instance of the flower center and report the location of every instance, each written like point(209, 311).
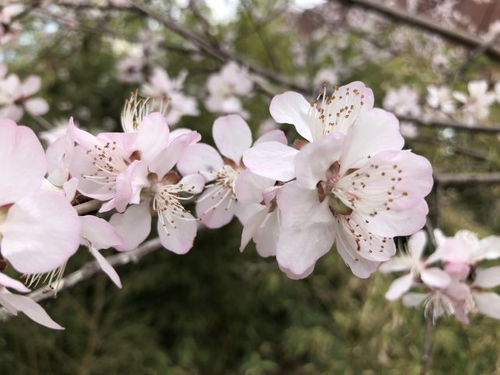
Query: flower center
point(326, 190)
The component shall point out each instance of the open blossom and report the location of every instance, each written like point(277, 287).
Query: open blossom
point(466, 291)
point(179, 104)
point(403, 101)
point(226, 87)
point(440, 98)
point(328, 76)
point(354, 186)
point(475, 105)
point(130, 69)
point(261, 222)
point(105, 168)
point(9, 27)
point(98, 234)
point(418, 267)
point(39, 230)
point(463, 251)
point(14, 303)
point(16, 96)
point(230, 180)
point(162, 191)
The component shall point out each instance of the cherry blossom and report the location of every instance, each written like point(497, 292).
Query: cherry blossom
point(337, 111)
point(54, 228)
point(440, 98)
point(412, 261)
point(179, 104)
point(225, 88)
point(403, 101)
point(98, 234)
point(326, 76)
point(357, 189)
point(9, 27)
point(14, 303)
point(455, 290)
point(230, 179)
point(130, 69)
point(475, 105)
point(161, 189)
point(105, 168)
point(16, 97)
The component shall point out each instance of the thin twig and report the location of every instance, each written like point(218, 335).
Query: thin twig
point(88, 270)
point(88, 207)
point(448, 179)
point(426, 347)
point(491, 129)
point(424, 23)
point(205, 46)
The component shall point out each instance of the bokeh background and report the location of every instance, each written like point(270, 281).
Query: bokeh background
point(215, 310)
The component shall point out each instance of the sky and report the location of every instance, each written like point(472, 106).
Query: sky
point(225, 10)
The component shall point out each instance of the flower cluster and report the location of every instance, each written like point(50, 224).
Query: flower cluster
point(16, 96)
point(225, 89)
point(441, 102)
point(346, 182)
point(453, 280)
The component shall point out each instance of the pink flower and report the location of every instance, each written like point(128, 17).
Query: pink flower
point(433, 277)
point(463, 251)
point(335, 112)
point(105, 168)
point(98, 234)
point(231, 180)
point(179, 104)
point(39, 230)
point(14, 302)
point(16, 97)
point(358, 190)
point(225, 88)
point(157, 151)
point(261, 223)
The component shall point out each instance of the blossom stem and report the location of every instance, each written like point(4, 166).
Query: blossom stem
point(426, 347)
point(87, 207)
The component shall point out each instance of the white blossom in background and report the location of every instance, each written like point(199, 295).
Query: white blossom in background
point(440, 61)
point(458, 286)
point(326, 76)
point(226, 87)
point(440, 98)
point(9, 27)
point(16, 96)
point(160, 84)
point(130, 69)
point(402, 101)
point(408, 130)
point(493, 31)
point(497, 91)
point(476, 103)
point(51, 135)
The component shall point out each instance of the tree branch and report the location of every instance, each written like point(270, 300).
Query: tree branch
point(88, 270)
point(449, 179)
point(208, 48)
point(427, 24)
point(492, 129)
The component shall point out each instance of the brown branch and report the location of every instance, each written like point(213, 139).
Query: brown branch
point(88, 270)
point(452, 179)
point(426, 24)
point(492, 129)
point(216, 52)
